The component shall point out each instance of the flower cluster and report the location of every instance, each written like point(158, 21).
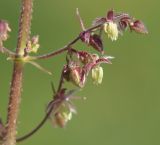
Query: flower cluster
point(61, 107)
point(115, 23)
point(79, 64)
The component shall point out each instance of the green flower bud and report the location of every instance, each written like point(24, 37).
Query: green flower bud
point(111, 29)
point(33, 45)
point(97, 75)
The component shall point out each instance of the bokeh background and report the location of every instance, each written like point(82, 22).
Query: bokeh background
point(124, 110)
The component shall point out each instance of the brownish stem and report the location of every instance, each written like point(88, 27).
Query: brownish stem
point(24, 25)
point(16, 83)
point(14, 102)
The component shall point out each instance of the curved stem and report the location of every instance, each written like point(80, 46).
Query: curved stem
point(59, 51)
point(61, 80)
point(36, 128)
point(49, 55)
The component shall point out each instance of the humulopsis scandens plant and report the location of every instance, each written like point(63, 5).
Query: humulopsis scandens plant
point(78, 66)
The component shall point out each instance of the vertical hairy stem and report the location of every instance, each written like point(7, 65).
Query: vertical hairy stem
point(13, 107)
point(24, 25)
point(16, 84)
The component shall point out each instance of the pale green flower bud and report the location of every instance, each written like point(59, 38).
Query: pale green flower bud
point(97, 75)
point(111, 29)
point(33, 44)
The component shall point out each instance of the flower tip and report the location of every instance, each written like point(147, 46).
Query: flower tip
point(110, 15)
point(109, 57)
point(139, 27)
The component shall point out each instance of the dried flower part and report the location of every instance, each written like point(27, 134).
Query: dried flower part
point(62, 116)
point(33, 45)
point(96, 61)
point(4, 29)
point(97, 75)
point(60, 120)
point(77, 75)
point(85, 37)
point(96, 42)
point(110, 15)
point(62, 108)
point(84, 56)
point(112, 30)
point(93, 40)
point(138, 27)
point(99, 21)
point(122, 26)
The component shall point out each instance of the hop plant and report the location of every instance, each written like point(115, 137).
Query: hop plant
point(78, 65)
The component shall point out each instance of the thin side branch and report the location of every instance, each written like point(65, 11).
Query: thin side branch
point(80, 20)
point(36, 128)
point(7, 51)
point(65, 48)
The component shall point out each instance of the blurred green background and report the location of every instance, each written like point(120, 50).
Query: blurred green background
point(124, 110)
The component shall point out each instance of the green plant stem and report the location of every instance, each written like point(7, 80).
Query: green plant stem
point(16, 83)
